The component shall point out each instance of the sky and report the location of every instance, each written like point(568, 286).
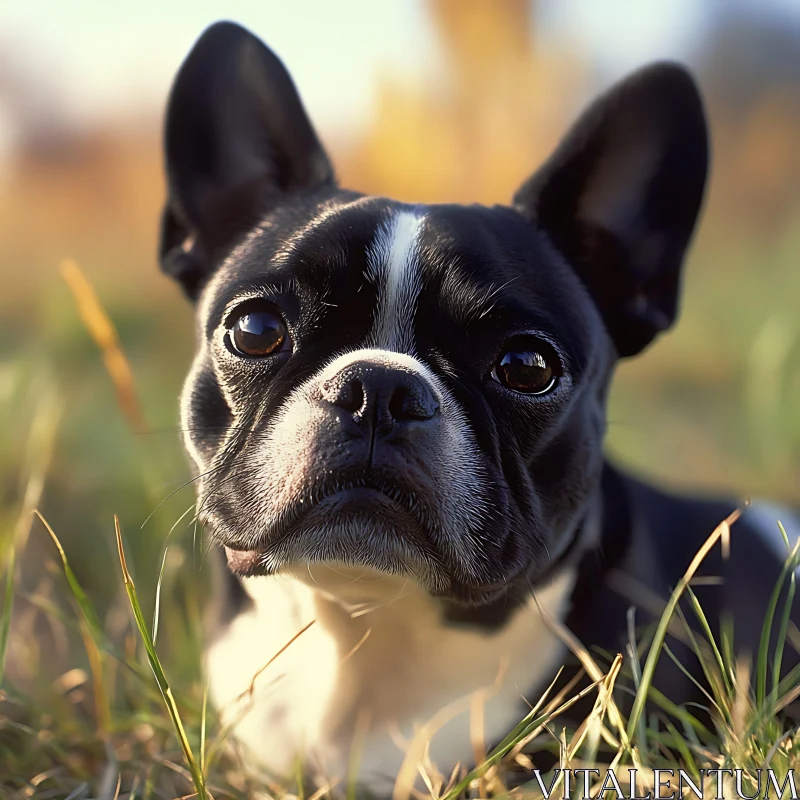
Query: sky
point(100, 60)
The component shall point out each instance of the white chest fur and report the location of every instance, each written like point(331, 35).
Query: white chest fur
point(376, 662)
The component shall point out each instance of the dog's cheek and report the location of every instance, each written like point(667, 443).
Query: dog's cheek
point(486, 490)
point(205, 416)
point(567, 473)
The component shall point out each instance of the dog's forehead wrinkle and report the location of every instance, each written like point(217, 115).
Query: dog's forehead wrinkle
point(521, 281)
point(324, 214)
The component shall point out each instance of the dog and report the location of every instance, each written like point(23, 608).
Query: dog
point(396, 416)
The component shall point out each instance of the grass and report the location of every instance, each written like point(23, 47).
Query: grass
point(95, 702)
point(198, 778)
point(120, 741)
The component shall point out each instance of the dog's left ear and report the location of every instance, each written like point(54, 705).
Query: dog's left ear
point(238, 143)
point(620, 197)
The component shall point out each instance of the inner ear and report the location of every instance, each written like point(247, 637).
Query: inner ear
point(620, 198)
point(238, 143)
point(615, 194)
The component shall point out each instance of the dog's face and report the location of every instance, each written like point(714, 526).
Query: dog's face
point(418, 390)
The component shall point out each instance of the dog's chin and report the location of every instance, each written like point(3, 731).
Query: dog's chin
point(361, 528)
point(366, 534)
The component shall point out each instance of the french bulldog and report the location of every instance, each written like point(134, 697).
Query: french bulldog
point(396, 416)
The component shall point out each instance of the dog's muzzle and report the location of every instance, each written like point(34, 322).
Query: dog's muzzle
point(370, 437)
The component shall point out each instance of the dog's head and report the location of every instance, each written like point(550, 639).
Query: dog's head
point(419, 390)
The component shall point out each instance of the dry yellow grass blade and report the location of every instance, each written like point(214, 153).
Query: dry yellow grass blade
point(595, 674)
point(39, 455)
point(416, 749)
point(592, 726)
point(40, 452)
point(102, 330)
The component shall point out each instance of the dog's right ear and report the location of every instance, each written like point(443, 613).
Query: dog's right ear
point(238, 142)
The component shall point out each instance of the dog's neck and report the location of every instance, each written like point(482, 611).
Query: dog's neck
point(391, 627)
point(379, 657)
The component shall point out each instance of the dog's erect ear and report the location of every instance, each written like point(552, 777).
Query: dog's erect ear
point(620, 196)
point(237, 141)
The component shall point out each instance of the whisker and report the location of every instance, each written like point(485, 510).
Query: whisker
point(204, 554)
point(222, 429)
point(491, 295)
point(180, 488)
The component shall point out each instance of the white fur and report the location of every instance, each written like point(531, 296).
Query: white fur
point(393, 264)
point(320, 697)
point(764, 517)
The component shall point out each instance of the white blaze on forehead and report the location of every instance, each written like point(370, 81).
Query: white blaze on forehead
point(393, 265)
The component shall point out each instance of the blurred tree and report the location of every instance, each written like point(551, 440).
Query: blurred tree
point(32, 120)
point(747, 53)
point(478, 127)
point(749, 67)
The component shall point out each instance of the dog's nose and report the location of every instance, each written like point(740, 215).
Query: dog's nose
point(381, 395)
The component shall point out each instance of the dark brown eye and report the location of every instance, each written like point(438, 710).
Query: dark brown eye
point(528, 370)
point(258, 332)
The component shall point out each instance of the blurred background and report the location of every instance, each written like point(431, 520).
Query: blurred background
point(425, 100)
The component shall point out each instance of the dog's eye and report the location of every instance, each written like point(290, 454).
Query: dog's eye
point(530, 368)
point(258, 332)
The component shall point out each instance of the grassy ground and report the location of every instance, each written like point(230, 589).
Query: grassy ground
point(102, 694)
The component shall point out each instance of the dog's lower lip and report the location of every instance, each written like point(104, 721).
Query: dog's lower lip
point(351, 502)
point(344, 496)
point(356, 493)
point(242, 561)
point(363, 501)
point(354, 500)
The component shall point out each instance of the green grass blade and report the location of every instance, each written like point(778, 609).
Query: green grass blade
point(161, 679)
point(709, 634)
point(782, 631)
point(636, 667)
point(691, 678)
point(661, 631)
point(84, 604)
point(681, 713)
point(157, 606)
point(8, 607)
point(763, 649)
point(203, 722)
point(678, 741)
point(697, 649)
point(93, 635)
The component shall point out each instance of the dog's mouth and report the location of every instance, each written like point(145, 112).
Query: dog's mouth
point(372, 526)
point(357, 522)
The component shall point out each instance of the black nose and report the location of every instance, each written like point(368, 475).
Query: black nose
point(381, 395)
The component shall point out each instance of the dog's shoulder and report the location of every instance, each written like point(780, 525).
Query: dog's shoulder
point(735, 581)
point(648, 540)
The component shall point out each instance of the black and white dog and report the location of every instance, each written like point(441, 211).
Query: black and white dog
point(396, 413)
